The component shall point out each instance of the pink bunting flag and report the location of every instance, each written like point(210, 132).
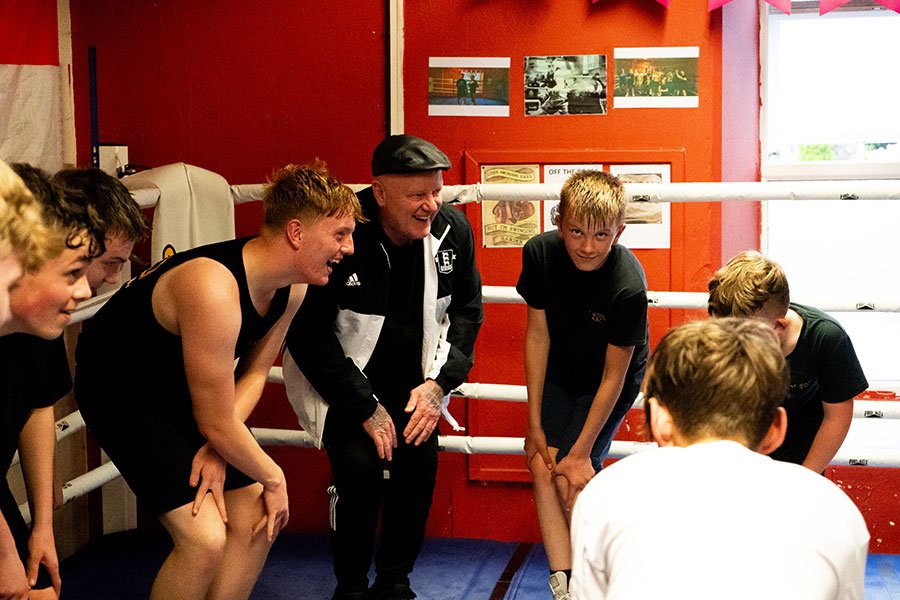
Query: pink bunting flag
point(894, 5)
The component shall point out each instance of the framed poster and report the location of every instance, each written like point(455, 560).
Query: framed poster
point(509, 223)
point(648, 224)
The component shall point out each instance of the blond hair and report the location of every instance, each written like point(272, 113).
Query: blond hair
point(594, 197)
point(307, 192)
point(722, 378)
point(22, 230)
point(744, 286)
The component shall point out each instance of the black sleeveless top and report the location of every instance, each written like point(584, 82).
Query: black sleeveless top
point(124, 351)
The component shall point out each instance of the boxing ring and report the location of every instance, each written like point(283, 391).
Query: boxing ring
point(874, 421)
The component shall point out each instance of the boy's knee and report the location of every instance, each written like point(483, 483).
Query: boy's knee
point(540, 474)
point(43, 594)
point(206, 547)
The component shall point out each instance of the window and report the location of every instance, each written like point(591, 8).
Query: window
point(830, 96)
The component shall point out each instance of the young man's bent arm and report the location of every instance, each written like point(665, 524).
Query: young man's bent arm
point(208, 324)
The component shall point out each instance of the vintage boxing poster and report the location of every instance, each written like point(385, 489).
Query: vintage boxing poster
point(508, 223)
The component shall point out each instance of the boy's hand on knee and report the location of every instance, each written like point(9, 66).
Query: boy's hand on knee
point(42, 550)
point(275, 499)
point(577, 471)
point(208, 475)
point(536, 443)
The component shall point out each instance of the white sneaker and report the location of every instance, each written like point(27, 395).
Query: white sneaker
point(559, 585)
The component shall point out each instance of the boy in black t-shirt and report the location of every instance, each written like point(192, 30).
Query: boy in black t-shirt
point(34, 372)
point(825, 372)
point(585, 350)
point(23, 245)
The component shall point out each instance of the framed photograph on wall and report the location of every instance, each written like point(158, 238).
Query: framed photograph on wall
point(468, 86)
point(565, 85)
point(664, 77)
point(647, 224)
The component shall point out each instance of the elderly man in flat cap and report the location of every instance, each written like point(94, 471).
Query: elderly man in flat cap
point(379, 349)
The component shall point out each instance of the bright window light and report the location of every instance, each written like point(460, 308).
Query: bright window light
point(831, 110)
point(832, 87)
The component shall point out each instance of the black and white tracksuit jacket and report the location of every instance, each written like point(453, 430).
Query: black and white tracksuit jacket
point(337, 327)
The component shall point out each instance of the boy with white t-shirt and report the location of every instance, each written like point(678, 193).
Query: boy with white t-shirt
point(704, 516)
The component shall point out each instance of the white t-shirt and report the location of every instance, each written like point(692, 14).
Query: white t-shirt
point(711, 521)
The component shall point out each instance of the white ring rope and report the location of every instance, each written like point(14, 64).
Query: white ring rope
point(92, 480)
point(888, 189)
point(494, 294)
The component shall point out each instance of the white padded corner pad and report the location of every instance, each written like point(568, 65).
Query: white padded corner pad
point(195, 207)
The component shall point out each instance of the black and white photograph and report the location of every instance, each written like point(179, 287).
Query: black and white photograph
point(656, 77)
point(565, 85)
point(468, 86)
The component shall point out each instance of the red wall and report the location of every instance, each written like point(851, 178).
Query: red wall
point(236, 87)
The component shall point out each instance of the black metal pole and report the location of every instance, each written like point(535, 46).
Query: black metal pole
point(95, 126)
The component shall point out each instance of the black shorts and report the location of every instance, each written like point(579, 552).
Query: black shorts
point(20, 532)
point(563, 418)
point(151, 443)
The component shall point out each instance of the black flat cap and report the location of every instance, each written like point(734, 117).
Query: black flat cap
point(407, 154)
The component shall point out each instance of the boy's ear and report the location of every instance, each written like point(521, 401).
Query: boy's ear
point(619, 233)
point(775, 436)
point(662, 429)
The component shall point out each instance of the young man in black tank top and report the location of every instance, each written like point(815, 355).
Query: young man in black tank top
point(202, 304)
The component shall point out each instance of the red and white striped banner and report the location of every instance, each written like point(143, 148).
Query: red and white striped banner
point(30, 128)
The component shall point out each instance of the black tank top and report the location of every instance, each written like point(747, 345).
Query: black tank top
point(123, 350)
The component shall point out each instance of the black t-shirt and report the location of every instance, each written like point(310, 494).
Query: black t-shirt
point(585, 310)
point(824, 368)
point(34, 373)
point(395, 366)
